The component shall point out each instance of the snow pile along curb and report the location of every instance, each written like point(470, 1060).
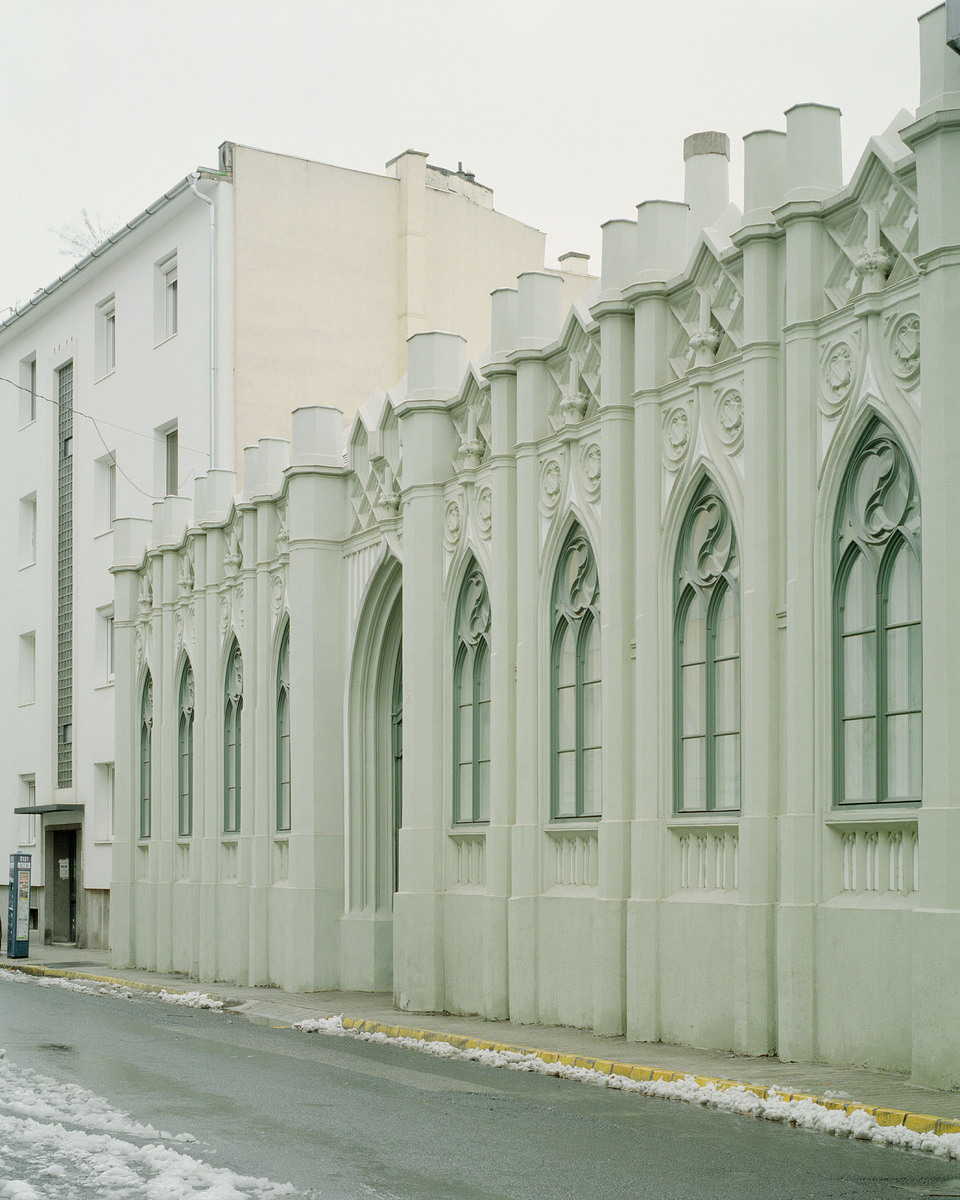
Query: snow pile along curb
point(806, 1112)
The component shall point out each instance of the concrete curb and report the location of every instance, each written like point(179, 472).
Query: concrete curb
point(917, 1122)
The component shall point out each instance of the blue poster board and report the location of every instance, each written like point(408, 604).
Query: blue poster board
point(18, 908)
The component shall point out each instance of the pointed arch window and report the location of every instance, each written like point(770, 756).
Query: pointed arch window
point(706, 676)
point(877, 627)
point(185, 752)
point(283, 732)
point(146, 756)
point(576, 683)
point(232, 724)
point(471, 691)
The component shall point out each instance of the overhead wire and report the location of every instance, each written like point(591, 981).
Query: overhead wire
point(78, 412)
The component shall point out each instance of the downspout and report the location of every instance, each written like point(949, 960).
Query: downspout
point(213, 313)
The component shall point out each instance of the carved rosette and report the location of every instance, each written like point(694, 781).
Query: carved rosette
point(590, 466)
point(484, 511)
point(452, 524)
point(730, 419)
point(905, 347)
point(838, 373)
point(551, 485)
point(676, 435)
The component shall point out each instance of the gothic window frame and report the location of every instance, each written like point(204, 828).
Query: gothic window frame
point(145, 780)
point(396, 761)
point(186, 707)
point(232, 740)
point(471, 674)
point(575, 612)
point(877, 518)
point(283, 774)
point(707, 574)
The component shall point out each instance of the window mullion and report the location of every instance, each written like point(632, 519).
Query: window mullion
point(579, 734)
point(880, 624)
point(475, 732)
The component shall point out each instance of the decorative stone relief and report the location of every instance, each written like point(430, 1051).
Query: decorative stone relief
point(730, 418)
point(223, 618)
point(276, 594)
point(551, 485)
point(186, 578)
point(905, 347)
point(283, 532)
point(145, 601)
point(452, 524)
point(676, 435)
point(590, 466)
point(838, 372)
point(178, 629)
point(472, 445)
point(138, 647)
point(239, 606)
point(573, 402)
point(484, 511)
point(233, 559)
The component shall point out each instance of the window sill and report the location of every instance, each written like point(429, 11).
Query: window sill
point(103, 841)
point(103, 533)
point(102, 687)
point(106, 375)
point(28, 424)
point(27, 566)
point(163, 341)
point(707, 818)
point(873, 814)
point(26, 704)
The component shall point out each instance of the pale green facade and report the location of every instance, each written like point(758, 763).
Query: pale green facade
point(610, 680)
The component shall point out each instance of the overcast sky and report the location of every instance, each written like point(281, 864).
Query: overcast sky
point(572, 112)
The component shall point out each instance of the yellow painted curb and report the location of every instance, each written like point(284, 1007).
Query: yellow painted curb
point(133, 984)
point(918, 1122)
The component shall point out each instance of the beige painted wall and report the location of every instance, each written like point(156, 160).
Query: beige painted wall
point(325, 296)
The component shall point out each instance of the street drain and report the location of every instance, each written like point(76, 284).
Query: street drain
point(59, 1046)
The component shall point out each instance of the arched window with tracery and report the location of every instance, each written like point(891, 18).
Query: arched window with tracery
point(706, 676)
point(186, 703)
point(471, 691)
point(232, 725)
point(878, 678)
point(146, 756)
point(283, 733)
point(575, 743)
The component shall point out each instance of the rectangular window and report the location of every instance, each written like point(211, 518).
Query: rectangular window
point(28, 799)
point(105, 342)
point(105, 491)
point(28, 390)
point(172, 462)
point(104, 792)
point(166, 299)
point(28, 667)
point(105, 645)
point(28, 530)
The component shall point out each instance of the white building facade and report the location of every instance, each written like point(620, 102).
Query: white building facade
point(150, 362)
point(611, 680)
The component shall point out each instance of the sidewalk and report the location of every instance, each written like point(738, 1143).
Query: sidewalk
point(893, 1095)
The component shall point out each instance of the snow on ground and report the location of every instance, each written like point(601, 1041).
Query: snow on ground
point(59, 1141)
point(806, 1114)
point(92, 987)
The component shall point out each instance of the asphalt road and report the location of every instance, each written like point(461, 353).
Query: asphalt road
point(349, 1120)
